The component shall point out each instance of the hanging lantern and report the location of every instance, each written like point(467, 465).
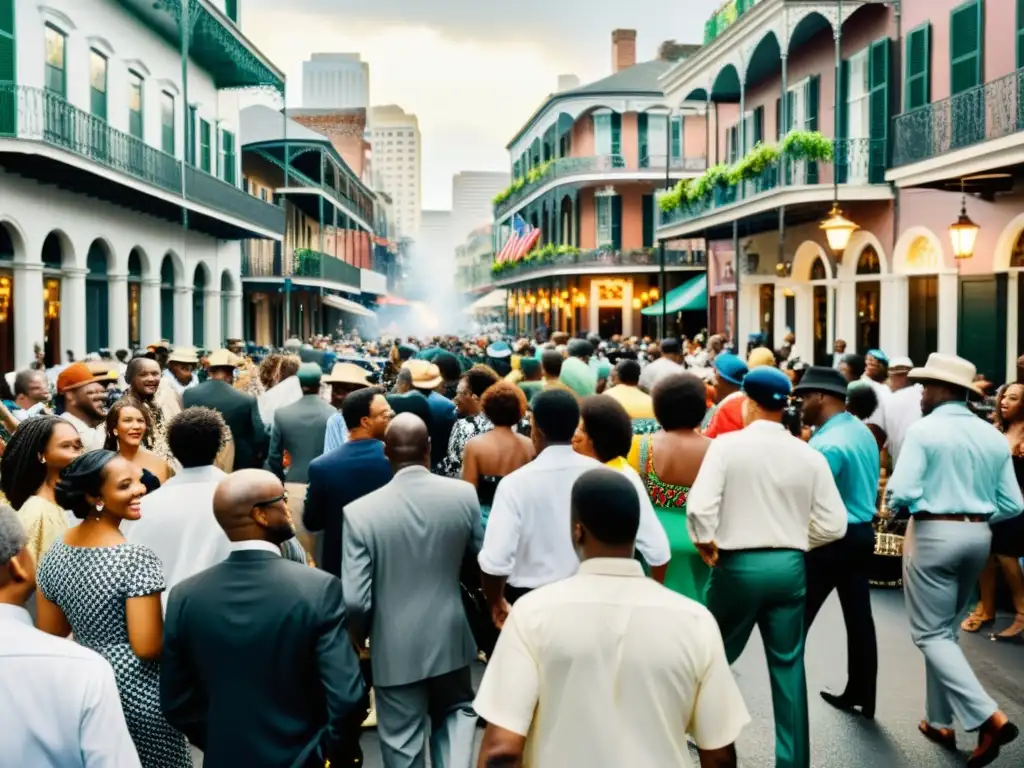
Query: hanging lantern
point(963, 232)
point(637, 303)
point(838, 230)
point(653, 293)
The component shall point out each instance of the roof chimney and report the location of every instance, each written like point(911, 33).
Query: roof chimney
point(623, 49)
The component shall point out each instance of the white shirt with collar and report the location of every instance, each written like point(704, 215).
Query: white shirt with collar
point(656, 371)
point(879, 417)
point(254, 545)
point(60, 701)
point(177, 523)
point(92, 437)
point(607, 668)
point(762, 488)
point(903, 410)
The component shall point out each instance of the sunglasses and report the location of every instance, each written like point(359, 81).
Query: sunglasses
point(271, 502)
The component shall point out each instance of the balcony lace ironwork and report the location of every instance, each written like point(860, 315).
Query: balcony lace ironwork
point(989, 111)
point(599, 257)
point(262, 261)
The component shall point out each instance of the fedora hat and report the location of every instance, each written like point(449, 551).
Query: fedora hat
point(818, 378)
point(348, 373)
point(223, 358)
point(425, 375)
point(949, 369)
point(187, 355)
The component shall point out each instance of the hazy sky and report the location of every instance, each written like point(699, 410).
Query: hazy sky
point(473, 71)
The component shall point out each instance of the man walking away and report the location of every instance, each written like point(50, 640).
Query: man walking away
point(606, 668)
point(230, 631)
point(403, 550)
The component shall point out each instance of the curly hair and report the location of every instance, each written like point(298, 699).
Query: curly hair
point(114, 416)
point(80, 479)
point(680, 401)
point(480, 378)
point(21, 471)
point(195, 436)
point(504, 404)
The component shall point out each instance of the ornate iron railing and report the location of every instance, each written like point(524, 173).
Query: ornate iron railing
point(575, 166)
point(34, 114)
point(983, 113)
point(855, 161)
point(599, 257)
point(259, 260)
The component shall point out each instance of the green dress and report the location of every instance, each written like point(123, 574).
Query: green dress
point(687, 573)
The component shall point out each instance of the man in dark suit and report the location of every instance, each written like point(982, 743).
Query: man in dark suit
point(404, 547)
point(240, 411)
point(258, 668)
point(348, 473)
point(299, 430)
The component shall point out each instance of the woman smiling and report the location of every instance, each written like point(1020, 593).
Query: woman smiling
point(126, 430)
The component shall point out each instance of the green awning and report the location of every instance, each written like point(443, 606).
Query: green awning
point(691, 295)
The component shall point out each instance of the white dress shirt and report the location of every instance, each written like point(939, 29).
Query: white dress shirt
point(883, 393)
point(608, 669)
point(656, 371)
point(902, 410)
point(177, 523)
point(762, 488)
point(255, 545)
point(92, 437)
point(278, 396)
point(60, 702)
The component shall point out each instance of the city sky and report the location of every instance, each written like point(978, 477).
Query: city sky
point(473, 71)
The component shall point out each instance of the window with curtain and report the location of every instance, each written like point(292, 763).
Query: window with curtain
point(167, 122)
point(858, 115)
point(603, 205)
point(657, 126)
point(603, 133)
point(204, 145)
point(56, 79)
point(135, 105)
point(98, 84)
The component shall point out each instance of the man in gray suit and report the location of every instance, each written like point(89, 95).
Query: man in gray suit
point(299, 430)
point(403, 548)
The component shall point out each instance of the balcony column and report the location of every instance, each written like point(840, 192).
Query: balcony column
point(846, 309)
point(779, 312)
point(72, 310)
point(117, 310)
point(894, 315)
point(830, 314)
point(149, 310)
point(213, 334)
point(182, 316)
point(783, 107)
point(949, 311)
point(27, 308)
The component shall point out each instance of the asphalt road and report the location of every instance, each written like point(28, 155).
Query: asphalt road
point(842, 741)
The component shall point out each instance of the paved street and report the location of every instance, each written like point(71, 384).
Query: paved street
point(841, 741)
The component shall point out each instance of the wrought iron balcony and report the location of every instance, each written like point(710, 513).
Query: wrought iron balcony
point(983, 113)
point(726, 15)
point(855, 161)
point(263, 261)
point(34, 114)
point(598, 257)
point(565, 167)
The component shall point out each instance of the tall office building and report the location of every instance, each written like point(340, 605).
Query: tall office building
point(335, 81)
point(473, 199)
point(397, 155)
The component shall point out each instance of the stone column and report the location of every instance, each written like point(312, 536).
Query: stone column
point(117, 311)
point(894, 316)
point(149, 310)
point(804, 331)
point(949, 311)
point(213, 335)
point(72, 310)
point(846, 317)
point(182, 316)
point(234, 329)
point(27, 308)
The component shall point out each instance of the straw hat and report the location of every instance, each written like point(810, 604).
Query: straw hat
point(348, 373)
point(223, 358)
point(425, 375)
point(187, 355)
point(948, 369)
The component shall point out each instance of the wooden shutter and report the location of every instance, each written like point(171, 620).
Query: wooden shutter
point(229, 156)
point(811, 120)
point(190, 136)
point(879, 66)
point(643, 150)
point(919, 53)
point(8, 69)
point(616, 222)
point(616, 133)
point(677, 137)
point(1020, 33)
point(231, 10)
point(204, 145)
point(778, 119)
point(648, 221)
point(841, 160)
point(758, 127)
point(965, 35)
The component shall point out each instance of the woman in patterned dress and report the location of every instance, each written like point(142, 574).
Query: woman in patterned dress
point(105, 591)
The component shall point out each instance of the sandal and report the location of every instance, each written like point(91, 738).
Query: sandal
point(975, 621)
point(1013, 633)
point(944, 737)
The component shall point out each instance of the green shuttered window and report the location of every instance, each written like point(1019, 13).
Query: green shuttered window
point(135, 105)
point(228, 156)
point(98, 84)
point(8, 67)
point(204, 145)
point(167, 123)
point(965, 46)
point(190, 136)
point(919, 60)
point(1020, 34)
point(879, 101)
point(56, 60)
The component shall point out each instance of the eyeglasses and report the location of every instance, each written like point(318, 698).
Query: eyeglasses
point(271, 502)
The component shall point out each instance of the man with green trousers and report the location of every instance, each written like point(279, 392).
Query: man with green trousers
point(761, 500)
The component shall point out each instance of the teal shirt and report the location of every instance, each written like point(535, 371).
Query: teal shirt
point(852, 455)
point(952, 462)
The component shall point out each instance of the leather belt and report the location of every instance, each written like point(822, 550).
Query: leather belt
point(954, 518)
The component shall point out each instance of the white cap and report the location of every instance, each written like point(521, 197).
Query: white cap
point(901, 362)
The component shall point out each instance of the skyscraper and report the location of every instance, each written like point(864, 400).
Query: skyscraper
point(335, 81)
point(397, 156)
point(472, 199)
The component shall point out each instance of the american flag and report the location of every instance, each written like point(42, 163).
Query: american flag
point(523, 238)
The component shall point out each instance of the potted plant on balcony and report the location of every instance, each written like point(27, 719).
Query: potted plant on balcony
point(811, 146)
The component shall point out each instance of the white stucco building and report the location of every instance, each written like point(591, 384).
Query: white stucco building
point(121, 210)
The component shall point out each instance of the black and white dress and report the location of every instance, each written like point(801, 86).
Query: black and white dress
point(90, 585)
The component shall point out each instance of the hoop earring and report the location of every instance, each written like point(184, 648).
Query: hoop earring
point(42, 460)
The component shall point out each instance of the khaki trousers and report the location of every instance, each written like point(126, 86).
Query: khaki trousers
point(296, 504)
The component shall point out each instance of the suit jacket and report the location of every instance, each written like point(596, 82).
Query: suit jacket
point(403, 551)
point(242, 415)
point(298, 428)
point(336, 479)
point(257, 666)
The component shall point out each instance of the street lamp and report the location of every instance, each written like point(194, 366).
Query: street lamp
point(963, 232)
point(838, 229)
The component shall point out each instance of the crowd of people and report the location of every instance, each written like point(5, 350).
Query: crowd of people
point(233, 557)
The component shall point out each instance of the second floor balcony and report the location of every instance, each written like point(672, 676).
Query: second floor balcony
point(298, 264)
point(557, 260)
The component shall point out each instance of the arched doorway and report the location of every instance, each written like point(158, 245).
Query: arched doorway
point(97, 319)
point(134, 298)
point(199, 282)
point(226, 288)
point(167, 297)
point(53, 259)
point(819, 308)
point(7, 255)
point(869, 300)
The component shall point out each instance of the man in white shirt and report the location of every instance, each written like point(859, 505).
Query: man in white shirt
point(903, 406)
point(60, 702)
point(606, 668)
point(177, 520)
point(762, 498)
point(671, 361)
point(84, 399)
point(527, 544)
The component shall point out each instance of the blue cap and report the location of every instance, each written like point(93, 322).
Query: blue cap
point(730, 367)
point(499, 349)
point(879, 355)
point(767, 386)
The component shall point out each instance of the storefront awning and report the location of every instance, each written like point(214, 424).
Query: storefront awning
point(494, 300)
point(345, 305)
point(691, 295)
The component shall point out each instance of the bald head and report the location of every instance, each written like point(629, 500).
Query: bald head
point(250, 505)
point(407, 442)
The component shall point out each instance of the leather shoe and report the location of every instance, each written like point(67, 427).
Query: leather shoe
point(991, 738)
point(849, 704)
